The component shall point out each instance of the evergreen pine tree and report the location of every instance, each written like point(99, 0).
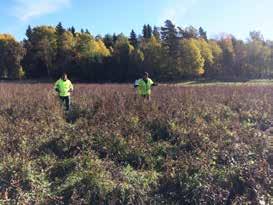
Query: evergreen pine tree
point(156, 33)
point(73, 31)
point(29, 32)
point(87, 31)
point(115, 38)
point(203, 34)
point(60, 29)
point(169, 38)
point(133, 39)
point(149, 31)
point(145, 31)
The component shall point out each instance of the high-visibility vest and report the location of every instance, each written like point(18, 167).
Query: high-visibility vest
point(144, 88)
point(63, 87)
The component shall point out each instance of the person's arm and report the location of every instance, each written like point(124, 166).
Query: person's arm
point(56, 86)
point(136, 84)
point(153, 83)
point(71, 87)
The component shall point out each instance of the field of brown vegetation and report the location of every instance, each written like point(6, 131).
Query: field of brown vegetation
point(189, 145)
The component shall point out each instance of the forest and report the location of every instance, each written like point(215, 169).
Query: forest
point(169, 53)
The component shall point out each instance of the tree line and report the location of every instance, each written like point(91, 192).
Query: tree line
point(168, 53)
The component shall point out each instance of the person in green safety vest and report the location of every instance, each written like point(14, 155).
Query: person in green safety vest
point(64, 87)
point(144, 86)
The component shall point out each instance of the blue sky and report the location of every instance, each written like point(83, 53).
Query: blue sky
point(237, 17)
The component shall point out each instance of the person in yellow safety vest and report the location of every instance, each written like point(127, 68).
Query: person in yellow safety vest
point(64, 87)
point(144, 86)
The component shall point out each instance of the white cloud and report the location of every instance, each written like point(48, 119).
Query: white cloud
point(25, 10)
point(175, 10)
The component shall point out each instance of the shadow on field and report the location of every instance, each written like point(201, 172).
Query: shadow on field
point(76, 112)
point(73, 114)
point(59, 148)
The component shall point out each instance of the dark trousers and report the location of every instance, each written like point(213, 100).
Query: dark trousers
point(66, 102)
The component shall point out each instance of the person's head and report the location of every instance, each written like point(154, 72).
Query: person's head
point(64, 76)
point(146, 76)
